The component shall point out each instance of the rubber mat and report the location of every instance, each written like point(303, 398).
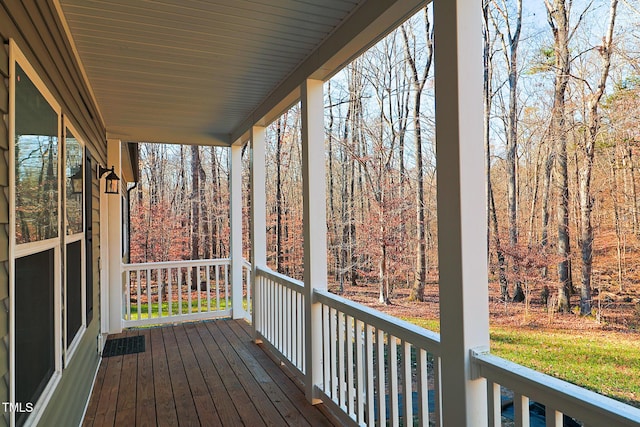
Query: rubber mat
point(122, 346)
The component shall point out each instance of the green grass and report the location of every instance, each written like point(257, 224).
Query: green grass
point(606, 363)
point(144, 308)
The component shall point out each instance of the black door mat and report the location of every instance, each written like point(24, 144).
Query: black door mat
point(122, 346)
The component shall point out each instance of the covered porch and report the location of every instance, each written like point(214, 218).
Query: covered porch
point(363, 366)
point(217, 73)
point(204, 373)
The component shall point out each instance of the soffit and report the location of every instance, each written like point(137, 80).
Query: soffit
point(200, 72)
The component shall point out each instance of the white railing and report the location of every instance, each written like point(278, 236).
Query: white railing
point(168, 292)
point(378, 367)
point(279, 316)
point(558, 397)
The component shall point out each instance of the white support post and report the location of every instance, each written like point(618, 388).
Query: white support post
point(314, 227)
point(235, 167)
point(464, 312)
point(116, 278)
point(258, 218)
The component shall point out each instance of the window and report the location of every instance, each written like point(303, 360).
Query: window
point(36, 163)
point(74, 187)
point(74, 290)
point(35, 239)
point(35, 332)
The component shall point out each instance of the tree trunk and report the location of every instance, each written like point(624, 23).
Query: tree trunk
point(634, 190)
point(333, 231)
point(418, 83)
point(492, 218)
point(586, 199)
point(279, 251)
point(617, 222)
point(215, 208)
point(195, 212)
point(558, 19)
point(512, 144)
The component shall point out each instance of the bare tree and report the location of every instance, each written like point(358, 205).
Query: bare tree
point(586, 197)
point(510, 39)
point(558, 13)
point(492, 217)
point(418, 81)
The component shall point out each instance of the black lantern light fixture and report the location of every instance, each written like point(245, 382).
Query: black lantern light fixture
point(77, 182)
point(111, 181)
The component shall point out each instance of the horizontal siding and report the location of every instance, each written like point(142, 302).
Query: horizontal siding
point(4, 279)
point(4, 179)
point(4, 99)
point(4, 237)
point(4, 135)
point(39, 34)
point(4, 60)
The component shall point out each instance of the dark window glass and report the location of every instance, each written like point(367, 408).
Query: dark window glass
point(35, 345)
point(74, 290)
point(88, 206)
point(36, 156)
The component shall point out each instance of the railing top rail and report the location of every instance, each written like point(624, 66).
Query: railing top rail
point(246, 263)
point(294, 284)
point(416, 335)
point(176, 264)
point(568, 398)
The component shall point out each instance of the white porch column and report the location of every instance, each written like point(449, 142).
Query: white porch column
point(258, 217)
point(116, 282)
point(314, 226)
point(235, 168)
point(464, 312)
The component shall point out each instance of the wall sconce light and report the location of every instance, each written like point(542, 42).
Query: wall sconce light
point(77, 182)
point(111, 182)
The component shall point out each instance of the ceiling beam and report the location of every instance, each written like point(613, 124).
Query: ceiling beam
point(163, 137)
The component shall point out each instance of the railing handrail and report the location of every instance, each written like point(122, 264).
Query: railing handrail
point(414, 334)
point(280, 278)
point(175, 264)
point(568, 398)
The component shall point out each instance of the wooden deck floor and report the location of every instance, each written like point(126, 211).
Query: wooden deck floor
point(197, 374)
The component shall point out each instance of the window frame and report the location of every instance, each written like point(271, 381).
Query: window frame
point(69, 349)
point(19, 250)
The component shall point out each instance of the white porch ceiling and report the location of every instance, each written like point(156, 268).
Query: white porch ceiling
point(202, 72)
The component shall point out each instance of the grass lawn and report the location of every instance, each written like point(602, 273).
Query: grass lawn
point(599, 361)
point(144, 308)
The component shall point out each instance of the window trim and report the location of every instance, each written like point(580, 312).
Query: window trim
point(70, 349)
point(18, 250)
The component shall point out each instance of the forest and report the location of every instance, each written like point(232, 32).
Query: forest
point(561, 107)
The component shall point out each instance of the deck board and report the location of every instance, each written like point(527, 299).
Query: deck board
point(145, 394)
point(126, 401)
point(246, 410)
point(223, 401)
point(280, 377)
point(185, 406)
point(256, 394)
point(198, 374)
